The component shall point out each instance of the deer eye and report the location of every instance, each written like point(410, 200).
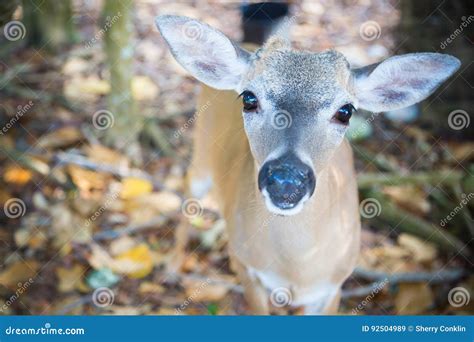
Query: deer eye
point(344, 113)
point(250, 101)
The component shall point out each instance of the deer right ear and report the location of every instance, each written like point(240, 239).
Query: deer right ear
point(401, 81)
point(204, 52)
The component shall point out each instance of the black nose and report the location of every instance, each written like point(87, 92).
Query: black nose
point(287, 180)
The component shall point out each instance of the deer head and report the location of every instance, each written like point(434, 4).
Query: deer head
point(297, 105)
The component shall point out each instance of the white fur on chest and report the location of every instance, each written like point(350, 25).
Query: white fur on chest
point(316, 297)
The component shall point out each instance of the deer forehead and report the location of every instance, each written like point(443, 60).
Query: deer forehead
point(306, 78)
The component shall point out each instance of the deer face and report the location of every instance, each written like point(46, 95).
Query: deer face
point(297, 105)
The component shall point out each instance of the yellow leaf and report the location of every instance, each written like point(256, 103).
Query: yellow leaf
point(69, 278)
point(93, 85)
point(149, 287)
point(143, 88)
point(413, 299)
point(17, 175)
point(134, 187)
point(136, 263)
point(18, 271)
point(422, 251)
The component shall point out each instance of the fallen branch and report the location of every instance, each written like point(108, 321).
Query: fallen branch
point(436, 178)
point(128, 230)
point(407, 222)
point(75, 159)
point(434, 277)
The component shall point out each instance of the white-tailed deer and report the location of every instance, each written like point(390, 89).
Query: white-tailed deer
point(276, 156)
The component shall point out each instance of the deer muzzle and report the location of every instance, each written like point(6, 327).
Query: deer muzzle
point(286, 181)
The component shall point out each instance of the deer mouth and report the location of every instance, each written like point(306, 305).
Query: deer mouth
point(286, 184)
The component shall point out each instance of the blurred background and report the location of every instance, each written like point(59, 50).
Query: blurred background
point(96, 130)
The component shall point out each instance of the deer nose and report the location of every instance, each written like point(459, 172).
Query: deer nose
point(286, 180)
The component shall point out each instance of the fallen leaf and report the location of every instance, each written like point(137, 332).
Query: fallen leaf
point(422, 251)
point(413, 298)
point(17, 175)
point(134, 187)
point(61, 137)
point(143, 88)
point(204, 291)
point(409, 197)
point(69, 278)
point(17, 272)
point(87, 181)
point(149, 287)
point(135, 263)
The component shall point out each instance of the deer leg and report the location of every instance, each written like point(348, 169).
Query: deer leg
point(254, 292)
point(329, 305)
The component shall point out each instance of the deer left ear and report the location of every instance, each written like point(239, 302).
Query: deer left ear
point(205, 52)
point(401, 81)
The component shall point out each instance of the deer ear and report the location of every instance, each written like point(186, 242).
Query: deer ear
point(401, 81)
point(204, 52)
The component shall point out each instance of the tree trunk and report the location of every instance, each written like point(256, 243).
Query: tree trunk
point(49, 24)
point(118, 26)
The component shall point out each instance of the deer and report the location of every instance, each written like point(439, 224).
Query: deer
point(269, 144)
